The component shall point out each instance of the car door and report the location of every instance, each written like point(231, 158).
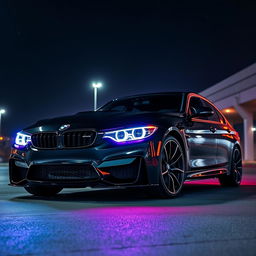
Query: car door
point(225, 140)
point(201, 138)
point(223, 135)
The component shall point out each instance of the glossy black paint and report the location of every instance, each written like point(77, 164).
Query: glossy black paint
point(207, 145)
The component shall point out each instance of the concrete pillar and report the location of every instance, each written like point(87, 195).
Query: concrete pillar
point(248, 132)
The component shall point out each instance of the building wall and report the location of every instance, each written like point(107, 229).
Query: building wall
point(238, 93)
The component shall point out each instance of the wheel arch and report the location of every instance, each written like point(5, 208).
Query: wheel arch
point(235, 145)
point(238, 146)
point(180, 136)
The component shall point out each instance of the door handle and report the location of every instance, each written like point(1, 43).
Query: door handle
point(213, 129)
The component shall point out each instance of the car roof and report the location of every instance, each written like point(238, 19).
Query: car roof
point(154, 94)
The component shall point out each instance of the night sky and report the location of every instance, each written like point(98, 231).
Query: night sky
point(52, 50)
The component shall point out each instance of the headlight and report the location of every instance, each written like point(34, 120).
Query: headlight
point(22, 139)
point(131, 134)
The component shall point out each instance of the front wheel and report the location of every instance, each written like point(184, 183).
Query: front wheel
point(43, 190)
point(171, 168)
point(235, 176)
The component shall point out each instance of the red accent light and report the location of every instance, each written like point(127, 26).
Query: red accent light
point(14, 151)
point(227, 135)
point(152, 149)
point(159, 148)
point(102, 172)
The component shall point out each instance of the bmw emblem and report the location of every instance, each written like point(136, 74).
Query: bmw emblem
point(64, 127)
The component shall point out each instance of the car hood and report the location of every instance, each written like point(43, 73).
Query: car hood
point(101, 120)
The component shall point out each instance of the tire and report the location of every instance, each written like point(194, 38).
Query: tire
point(235, 174)
point(43, 190)
point(171, 168)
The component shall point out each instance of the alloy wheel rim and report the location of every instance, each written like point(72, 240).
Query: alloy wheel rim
point(172, 166)
point(237, 166)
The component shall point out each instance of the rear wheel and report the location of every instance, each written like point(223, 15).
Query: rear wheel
point(171, 168)
point(235, 176)
point(43, 190)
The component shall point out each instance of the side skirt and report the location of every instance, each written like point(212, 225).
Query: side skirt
point(204, 174)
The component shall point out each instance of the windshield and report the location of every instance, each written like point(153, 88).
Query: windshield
point(163, 103)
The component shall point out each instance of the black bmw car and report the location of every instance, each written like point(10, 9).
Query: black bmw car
point(156, 140)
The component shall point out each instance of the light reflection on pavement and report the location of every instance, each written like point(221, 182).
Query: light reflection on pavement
point(206, 218)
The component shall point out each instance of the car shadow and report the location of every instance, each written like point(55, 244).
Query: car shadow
point(192, 195)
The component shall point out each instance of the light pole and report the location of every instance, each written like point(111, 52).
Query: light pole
point(2, 111)
point(96, 86)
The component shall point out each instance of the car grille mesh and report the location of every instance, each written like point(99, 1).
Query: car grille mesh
point(44, 140)
point(69, 172)
point(70, 139)
point(78, 138)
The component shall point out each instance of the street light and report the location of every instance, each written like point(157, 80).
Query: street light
point(96, 86)
point(2, 111)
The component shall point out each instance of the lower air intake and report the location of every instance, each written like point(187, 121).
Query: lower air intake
point(62, 173)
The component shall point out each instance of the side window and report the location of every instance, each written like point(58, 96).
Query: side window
point(197, 103)
point(215, 117)
point(222, 120)
point(194, 105)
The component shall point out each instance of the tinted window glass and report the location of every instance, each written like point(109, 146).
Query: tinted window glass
point(215, 116)
point(221, 118)
point(195, 104)
point(168, 103)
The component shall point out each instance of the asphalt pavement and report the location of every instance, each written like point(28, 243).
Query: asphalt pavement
point(205, 220)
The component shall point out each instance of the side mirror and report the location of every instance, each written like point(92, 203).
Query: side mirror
point(201, 112)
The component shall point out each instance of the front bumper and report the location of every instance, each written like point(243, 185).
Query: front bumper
point(111, 165)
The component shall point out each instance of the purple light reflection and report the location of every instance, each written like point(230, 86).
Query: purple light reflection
point(132, 227)
point(19, 146)
point(126, 142)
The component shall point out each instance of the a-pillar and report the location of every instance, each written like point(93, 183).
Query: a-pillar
point(247, 117)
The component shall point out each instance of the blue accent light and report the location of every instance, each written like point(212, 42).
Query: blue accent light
point(117, 162)
point(121, 135)
point(22, 139)
point(131, 134)
point(138, 133)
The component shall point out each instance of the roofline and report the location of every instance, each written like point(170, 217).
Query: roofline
point(153, 93)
